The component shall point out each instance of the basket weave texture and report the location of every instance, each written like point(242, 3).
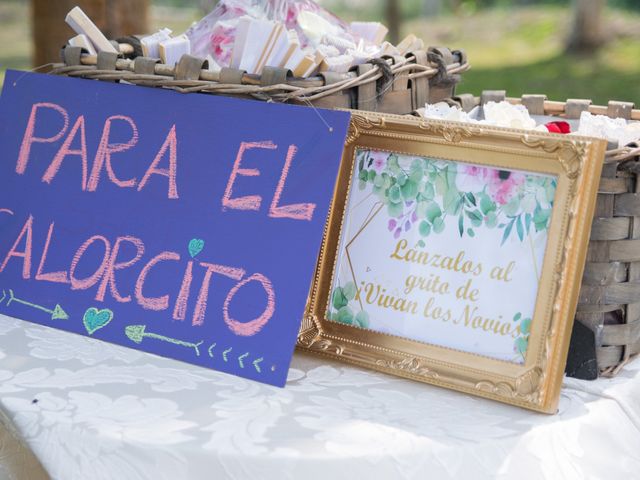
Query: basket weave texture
point(393, 84)
point(609, 300)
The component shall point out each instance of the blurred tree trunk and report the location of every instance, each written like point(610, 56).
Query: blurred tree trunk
point(587, 30)
point(393, 20)
point(116, 18)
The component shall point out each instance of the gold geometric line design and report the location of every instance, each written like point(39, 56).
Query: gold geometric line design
point(368, 219)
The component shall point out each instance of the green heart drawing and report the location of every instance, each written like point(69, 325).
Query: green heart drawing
point(195, 247)
point(95, 319)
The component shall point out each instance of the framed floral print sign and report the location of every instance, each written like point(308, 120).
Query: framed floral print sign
point(453, 255)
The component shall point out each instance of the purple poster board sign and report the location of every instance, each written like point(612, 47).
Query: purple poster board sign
point(182, 225)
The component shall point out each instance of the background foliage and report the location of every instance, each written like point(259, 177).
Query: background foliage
point(517, 45)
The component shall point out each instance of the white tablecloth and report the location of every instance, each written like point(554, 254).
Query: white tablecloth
point(91, 410)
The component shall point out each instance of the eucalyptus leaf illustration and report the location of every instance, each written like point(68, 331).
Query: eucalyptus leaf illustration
point(362, 319)
point(426, 193)
point(521, 343)
point(345, 308)
point(349, 291)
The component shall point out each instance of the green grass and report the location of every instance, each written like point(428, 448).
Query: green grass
point(522, 51)
point(518, 49)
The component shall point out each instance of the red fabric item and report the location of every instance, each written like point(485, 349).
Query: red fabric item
point(558, 127)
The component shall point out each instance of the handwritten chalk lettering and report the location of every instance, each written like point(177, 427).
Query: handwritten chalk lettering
point(171, 144)
point(125, 253)
point(180, 309)
point(103, 161)
point(201, 303)
point(298, 211)
point(106, 148)
point(254, 326)
point(55, 277)
point(103, 208)
point(156, 303)
point(248, 202)
point(27, 234)
point(30, 138)
point(108, 278)
point(91, 280)
point(66, 150)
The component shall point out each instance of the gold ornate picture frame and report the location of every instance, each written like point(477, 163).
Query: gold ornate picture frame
point(453, 255)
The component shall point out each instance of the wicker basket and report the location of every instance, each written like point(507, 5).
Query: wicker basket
point(390, 84)
point(609, 301)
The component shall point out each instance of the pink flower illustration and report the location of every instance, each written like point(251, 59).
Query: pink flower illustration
point(475, 171)
point(472, 178)
point(379, 160)
point(503, 185)
point(500, 185)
